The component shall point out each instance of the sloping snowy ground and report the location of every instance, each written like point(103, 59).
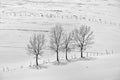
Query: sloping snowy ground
point(19, 19)
point(97, 68)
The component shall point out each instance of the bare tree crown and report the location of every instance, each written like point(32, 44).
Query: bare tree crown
point(36, 44)
point(83, 36)
point(56, 37)
point(67, 41)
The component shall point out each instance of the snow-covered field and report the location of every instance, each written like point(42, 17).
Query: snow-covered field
point(97, 68)
point(19, 19)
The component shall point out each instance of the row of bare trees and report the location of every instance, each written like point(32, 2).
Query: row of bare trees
point(60, 40)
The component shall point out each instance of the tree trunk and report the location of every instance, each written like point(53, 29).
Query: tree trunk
point(57, 57)
point(66, 55)
point(37, 60)
point(81, 50)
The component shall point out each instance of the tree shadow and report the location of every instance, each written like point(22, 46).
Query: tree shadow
point(82, 59)
point(61, 63)
point(38, 67)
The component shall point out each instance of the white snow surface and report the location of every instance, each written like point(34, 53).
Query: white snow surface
point(19, 19)
point(96, 68)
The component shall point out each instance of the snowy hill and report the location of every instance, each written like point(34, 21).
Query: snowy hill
point(19, 19)
point(102, 16)
point(99, 68)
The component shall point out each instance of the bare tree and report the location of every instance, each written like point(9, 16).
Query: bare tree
point(56, 39)
point(83, 38)
point(35, 45)
point(67, 44)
